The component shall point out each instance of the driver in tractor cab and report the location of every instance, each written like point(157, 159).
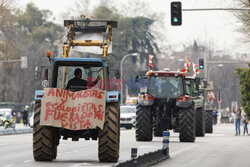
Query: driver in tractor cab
point(78, 81)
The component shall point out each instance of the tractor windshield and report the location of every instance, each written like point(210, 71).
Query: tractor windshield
point(91, 77)
point(165, 87)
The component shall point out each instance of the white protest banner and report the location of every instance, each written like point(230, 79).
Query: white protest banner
point(73, 110)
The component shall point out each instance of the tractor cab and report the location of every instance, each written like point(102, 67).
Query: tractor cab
point(166, 84)
point(92, 71)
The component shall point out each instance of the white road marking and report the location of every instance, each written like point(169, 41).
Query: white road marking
point(69, 152)
point(8, 165)
point(27, 161)
point(182, 150)
point(215, 135)
point(147, 146)
point(87, 164)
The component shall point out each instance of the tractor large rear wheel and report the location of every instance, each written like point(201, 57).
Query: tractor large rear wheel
point(143, 123)
point(200, 122)
point(109, 137)
point(187, 125)
point(209, 121)
point(44, 139)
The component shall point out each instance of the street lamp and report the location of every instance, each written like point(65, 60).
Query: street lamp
point(218, 65)
point(124, 57)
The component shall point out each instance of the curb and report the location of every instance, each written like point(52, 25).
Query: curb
point(15, 131)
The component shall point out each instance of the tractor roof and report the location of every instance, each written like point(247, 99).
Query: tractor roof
point(166, 73)
point(79, 60)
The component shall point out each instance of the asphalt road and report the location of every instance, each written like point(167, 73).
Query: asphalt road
point(219, 149)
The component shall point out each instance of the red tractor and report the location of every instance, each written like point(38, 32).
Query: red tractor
point(165, 103)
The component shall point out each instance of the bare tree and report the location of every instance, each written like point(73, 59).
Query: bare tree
point(244, 17)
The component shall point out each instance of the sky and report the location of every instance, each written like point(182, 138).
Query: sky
point(219, 28)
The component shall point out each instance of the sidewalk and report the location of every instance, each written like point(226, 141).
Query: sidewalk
point(19, 129)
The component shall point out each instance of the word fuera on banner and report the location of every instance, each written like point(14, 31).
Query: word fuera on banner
point(73, 110)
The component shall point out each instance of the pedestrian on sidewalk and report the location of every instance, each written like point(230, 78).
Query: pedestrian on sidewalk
point(237, 115)
point(25, 115)
point(215, 113)
point(245, 122)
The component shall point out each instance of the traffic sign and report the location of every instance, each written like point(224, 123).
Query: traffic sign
point(24, 62)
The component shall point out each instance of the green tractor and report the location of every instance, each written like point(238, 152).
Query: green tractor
point(46, 138)
point(197, 93)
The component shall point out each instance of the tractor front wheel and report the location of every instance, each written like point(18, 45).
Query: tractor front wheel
point(44, 139)
point(109, 136)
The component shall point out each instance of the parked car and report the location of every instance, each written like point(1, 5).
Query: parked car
point(128, 114)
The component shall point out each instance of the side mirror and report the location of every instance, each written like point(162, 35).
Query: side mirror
point(37, 72)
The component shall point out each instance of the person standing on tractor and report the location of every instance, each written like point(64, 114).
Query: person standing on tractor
point(78, 81)
point(215, 113)
point(245, 121)
point(237, 120)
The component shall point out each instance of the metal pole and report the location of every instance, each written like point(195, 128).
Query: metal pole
point(205, 65)
point(228, 62)
point(124, 57)
point(212, 9)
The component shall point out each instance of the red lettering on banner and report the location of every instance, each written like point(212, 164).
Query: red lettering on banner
point(57, 115)
point(59, 92)
point(48, 113)
point(64, 124)
point(70, 95)
point(60, 106)
point(51, 92)
point(70, 110)
point(99, 113)
point(100, 95)
point(87, 124)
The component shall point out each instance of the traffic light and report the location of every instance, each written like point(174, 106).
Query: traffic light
point(201, 63)
point(176, 18)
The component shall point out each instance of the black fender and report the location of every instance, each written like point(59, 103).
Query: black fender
point(144, 102)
